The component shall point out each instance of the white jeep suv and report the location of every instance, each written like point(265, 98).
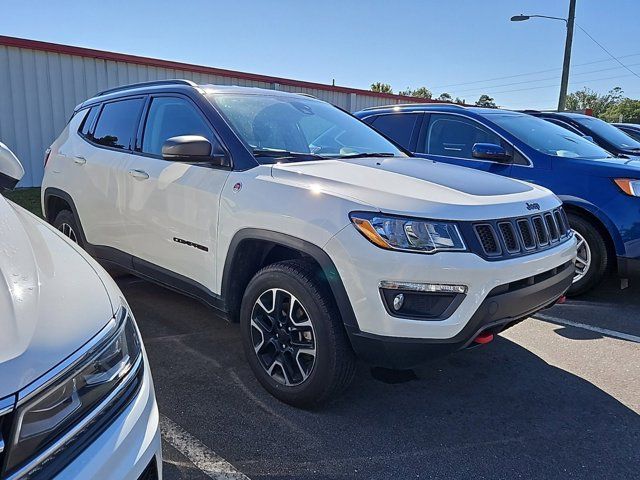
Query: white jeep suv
point(76, 395)
point(324, 239)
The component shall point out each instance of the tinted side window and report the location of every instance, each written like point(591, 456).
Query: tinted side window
point(453, 136)
point(87, 123)
point(398, 127)
point(170, 117)
point(117, 123)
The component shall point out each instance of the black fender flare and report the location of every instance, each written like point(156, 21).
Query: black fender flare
point(318, 254)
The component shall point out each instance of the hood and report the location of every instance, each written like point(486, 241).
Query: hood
point(419, 187)
point(52, 301)
point(605, 167)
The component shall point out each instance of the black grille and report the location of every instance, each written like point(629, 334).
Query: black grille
point(488, 239)
point(541, 231)
point(551, 227)
point(562, 228)
point(526, 234)
point(508, 237)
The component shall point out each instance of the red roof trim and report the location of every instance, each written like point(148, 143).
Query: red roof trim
point(155, 62)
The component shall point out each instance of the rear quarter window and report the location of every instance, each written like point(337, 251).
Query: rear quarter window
point(87, 122)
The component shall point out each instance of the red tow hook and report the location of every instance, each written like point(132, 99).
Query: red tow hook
point(484, 337)
point(561, 300)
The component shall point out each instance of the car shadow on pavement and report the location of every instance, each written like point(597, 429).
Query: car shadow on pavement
point(495, 412)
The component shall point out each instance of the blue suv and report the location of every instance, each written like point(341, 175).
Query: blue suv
point(598, 189)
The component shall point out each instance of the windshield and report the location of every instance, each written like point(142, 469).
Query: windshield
point(547, 137)
point(283, 127)
point(610, 133)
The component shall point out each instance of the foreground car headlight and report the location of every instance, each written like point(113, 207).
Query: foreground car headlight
point(409, 234)
point(45, 420)
point(629, 186)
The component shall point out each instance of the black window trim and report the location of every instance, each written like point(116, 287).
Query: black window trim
point(510, 144)
point(417, 126)
point(142, 125)
point(100, 107)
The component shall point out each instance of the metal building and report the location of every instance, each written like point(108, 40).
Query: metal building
point(41, 83)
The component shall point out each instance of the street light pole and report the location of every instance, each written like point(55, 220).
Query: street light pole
point(569, 22)
point(564, 84)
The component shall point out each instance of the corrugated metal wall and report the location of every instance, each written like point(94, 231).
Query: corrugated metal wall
point(39, 90)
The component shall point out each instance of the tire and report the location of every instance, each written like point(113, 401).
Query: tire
point(592, 249)
point(66, 222)
point(271, 348)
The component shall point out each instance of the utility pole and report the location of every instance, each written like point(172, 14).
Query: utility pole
point(567, 56)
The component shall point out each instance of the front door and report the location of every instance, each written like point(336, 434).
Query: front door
point(172, 206)
point(450, 138)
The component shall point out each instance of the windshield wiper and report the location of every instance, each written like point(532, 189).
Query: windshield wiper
point(366, 155)
point(275, 153)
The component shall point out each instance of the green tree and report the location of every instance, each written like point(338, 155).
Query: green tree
point(459, 101)
point(381, 87)
point(422, 92)
point(486, 101)
point(445, 97)
point(587, 98)
point(625, 110)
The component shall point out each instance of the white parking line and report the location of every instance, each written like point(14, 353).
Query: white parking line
point(603, 331)
point(207, 461)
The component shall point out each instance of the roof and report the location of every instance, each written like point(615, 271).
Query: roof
point(155, 62)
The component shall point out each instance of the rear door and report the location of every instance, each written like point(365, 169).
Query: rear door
point(450, 138)
point(171, 206)
point(99, 176)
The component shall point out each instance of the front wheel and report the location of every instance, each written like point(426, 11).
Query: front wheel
point(592, 258)
point(293, 336)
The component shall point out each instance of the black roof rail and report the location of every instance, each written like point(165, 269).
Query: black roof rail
point(154, 83)
point(417, 104)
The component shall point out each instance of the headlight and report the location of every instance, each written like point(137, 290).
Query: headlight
point(629, 186)
point(409, 234)
point(48, 416)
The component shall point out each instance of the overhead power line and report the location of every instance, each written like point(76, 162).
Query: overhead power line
point(556, 77)
point(607, 51)
point(529, 73)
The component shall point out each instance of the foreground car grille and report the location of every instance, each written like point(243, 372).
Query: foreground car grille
point(511, 237)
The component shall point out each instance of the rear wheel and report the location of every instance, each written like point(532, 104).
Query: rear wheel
point(293, 336)
point(592, 258)
point(65, 221)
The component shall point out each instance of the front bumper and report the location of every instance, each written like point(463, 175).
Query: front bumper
point(362, 266)
point(129, 447)
point(504, 306)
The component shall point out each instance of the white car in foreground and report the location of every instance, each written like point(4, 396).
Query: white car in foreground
point(76, 394)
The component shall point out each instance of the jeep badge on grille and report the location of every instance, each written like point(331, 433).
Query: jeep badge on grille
point(533, 206)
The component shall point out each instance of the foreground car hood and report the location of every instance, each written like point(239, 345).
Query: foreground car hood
point(51, 299)
point(420, 187)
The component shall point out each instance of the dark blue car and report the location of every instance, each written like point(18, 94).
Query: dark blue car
point(631, 129)
point(609, 137)
point(598, 189)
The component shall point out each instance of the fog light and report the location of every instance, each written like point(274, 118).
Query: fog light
point(398, 301)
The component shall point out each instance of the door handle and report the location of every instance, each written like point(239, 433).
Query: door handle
point(80, 160)
point(139, 174)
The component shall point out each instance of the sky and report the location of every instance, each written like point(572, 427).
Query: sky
point(463, 47)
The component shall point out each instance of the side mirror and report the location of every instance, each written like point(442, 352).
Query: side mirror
point(193, 148)
point(490, 151)
point(11, 170)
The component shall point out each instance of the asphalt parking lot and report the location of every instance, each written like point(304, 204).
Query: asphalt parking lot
point(551, 398)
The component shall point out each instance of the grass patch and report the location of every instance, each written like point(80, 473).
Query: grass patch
point(28, 198)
